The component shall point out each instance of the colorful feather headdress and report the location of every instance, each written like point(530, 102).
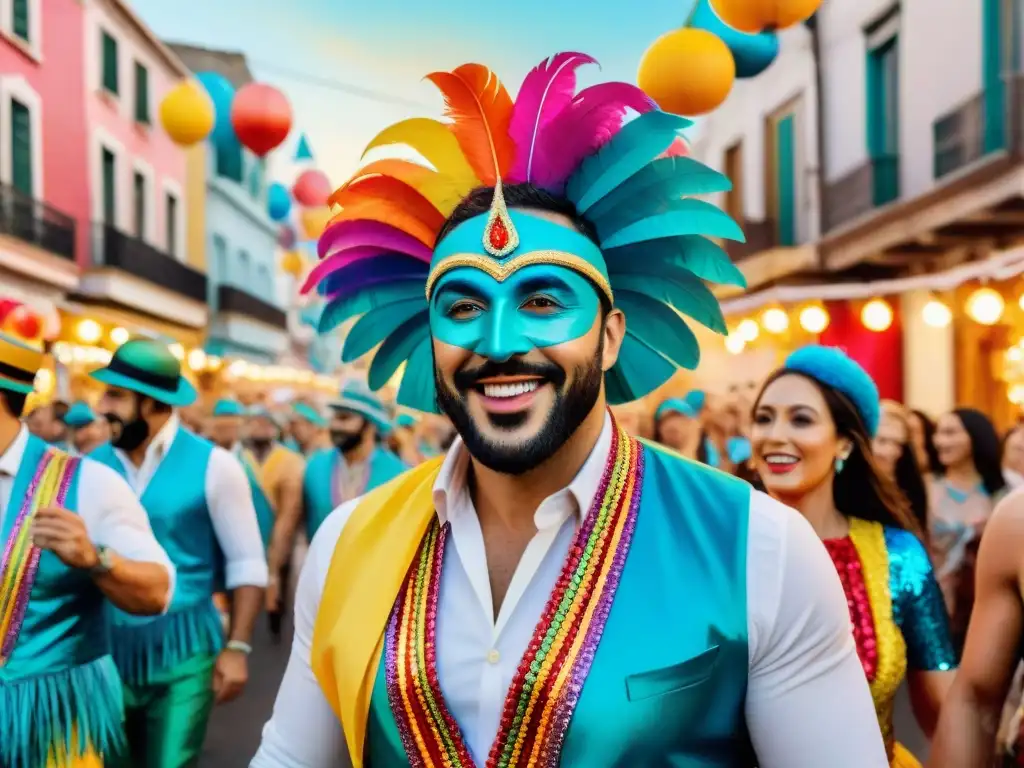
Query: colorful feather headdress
point(625, 176)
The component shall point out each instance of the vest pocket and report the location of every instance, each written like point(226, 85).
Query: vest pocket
point(659, 682)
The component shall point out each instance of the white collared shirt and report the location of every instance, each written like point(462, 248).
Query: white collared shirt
point(808, 701)
point(112, 514)
point(228, 498)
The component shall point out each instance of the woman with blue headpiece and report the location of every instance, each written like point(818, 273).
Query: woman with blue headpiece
point(811, 435)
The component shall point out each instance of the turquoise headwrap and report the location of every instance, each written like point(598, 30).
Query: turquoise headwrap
point(310, 414)
point(690, 406)
point(358, 398)
point(79, 415)
point(227, 407)
point(405, 420)
point(834, 368)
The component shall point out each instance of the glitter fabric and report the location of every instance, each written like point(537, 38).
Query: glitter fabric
point(49, 486)
point(547, 684)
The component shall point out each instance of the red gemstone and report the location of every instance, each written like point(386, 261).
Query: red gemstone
point(498, 236)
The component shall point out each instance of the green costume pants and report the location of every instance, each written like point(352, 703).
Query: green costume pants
point(165, 719)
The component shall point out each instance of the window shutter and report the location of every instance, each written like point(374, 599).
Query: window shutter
point(229, 161)
point(21, 148)
point(140, 206)
point(109, 194)
point(110, 79)
point(19, 13)
point(141, 94)
point(172, 225)
point(785, 178)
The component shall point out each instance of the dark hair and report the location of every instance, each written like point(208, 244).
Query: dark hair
point(928, 431)
point(861, 489)
point(478, 202)
point(60, 409)
point(909, 480)
point(158, 406)
point(986, 450)
point(14, 402)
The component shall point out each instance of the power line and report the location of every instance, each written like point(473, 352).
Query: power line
point(337, 85)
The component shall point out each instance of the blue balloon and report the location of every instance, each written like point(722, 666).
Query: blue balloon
point(222, 93)
point(279, 201)
point(753, 53)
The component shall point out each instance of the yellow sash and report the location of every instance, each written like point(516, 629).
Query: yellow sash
point(367, 569)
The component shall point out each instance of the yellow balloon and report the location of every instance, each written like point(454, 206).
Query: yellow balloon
point(757, 15)
point(292, 263)
point(187, 113)
point(314, 220)
point(687, 71)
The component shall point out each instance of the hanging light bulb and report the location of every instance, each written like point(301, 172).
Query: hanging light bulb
point(119, 335)
point(775, 320)
point(88, 331)
point(936, 314)
point(814, 318)
point(734, 344)
point(876, 315)
point(985, 306)
point(748, 330)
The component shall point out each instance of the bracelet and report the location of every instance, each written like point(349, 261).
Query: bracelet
point(238, 645)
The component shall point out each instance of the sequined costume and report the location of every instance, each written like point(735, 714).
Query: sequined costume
point(896, 606)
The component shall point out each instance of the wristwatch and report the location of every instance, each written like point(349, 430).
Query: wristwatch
point(104, 561)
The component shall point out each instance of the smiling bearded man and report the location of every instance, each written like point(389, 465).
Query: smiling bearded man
point(553, 591)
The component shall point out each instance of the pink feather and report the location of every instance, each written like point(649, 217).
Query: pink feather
point(338, 259)
point(595, 115)
point(349, 234)
point(546, 91)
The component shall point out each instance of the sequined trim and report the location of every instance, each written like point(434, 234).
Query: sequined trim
point(502, 270)
point(500, 236)
point(550, 677)
point(20, 563)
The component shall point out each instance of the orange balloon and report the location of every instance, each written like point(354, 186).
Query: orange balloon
point(314, 220)
point(687, 71)
point(758, 15)
point(292, 263)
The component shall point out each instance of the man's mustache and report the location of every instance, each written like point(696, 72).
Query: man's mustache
point(470, 377)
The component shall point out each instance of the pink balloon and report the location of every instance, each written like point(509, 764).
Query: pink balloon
point(312, 189)
point(286, 237)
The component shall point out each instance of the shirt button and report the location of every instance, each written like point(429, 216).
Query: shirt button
point(493, 657)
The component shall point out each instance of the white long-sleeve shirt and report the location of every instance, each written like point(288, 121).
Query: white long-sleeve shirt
point(808, 702)
point(228, 499)
point(109, 509)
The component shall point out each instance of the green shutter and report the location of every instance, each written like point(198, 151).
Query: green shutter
point(110, 80)
point(883, 109)
point(21, 148)
point(993, 58)
point(141, 94)
point(19, 12)
point(256, 178)
point(229, 161)
point(785, 178)
point(140, 205)
point(172, 225)
point(109, 188)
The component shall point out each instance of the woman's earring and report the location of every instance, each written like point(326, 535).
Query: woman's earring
point(840, 463)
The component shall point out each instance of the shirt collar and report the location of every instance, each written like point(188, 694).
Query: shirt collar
point(10, 461)
point(451, 480)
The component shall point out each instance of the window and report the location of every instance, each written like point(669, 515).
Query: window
point(265, 287)
point(780, 190)
point(734, 170)
point(109, 172)
point(109, 54)
point(883, 112)
point(256, 178)
point(141, 94)
point(171, 219)
point(243, 268)
point(220, 258)
point(139, 186)
point(229, 160)
point(21, 148)
point(19, 19)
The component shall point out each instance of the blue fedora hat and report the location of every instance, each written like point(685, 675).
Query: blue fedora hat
point(149, 368)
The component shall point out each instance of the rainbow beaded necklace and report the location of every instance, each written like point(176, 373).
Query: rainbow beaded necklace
point(550, 677)
point(20, 562)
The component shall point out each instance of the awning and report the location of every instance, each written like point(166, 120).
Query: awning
point(136, 324)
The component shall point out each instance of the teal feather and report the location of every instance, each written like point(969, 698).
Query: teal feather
point(637, 144)
point(337, 311)
point(417, 388)
point(667, 178)
point(639, 371)
point(628, 215)
point(679, 289)
point(397, 348)
point(660, 327)
point(689, 217)
point(375, 326)
point(704, 258)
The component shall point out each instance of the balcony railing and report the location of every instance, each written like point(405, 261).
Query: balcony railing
point(231, 299)
point(968, 133)
point(761, 236)
point(867, 187)
point(33, 221)
point(113, 248)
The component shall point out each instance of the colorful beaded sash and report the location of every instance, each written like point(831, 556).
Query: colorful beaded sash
point(862, 561)
point(20, 563)
point(547, 685)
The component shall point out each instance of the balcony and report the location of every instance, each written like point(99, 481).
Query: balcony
point(872, 185)
point(968, 133)
point(761, 236)
point(236, 301)
point(116, 250)
point(36, 223)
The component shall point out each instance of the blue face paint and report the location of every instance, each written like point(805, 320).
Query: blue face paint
point(537, 306)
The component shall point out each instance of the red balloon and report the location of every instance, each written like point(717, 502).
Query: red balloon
point(6, 307)
point(25, 322)
point(261, 117)
point(678, 148)
point(312, 189)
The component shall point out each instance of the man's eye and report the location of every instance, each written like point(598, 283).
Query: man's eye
point(540, 304)
point(463, 309)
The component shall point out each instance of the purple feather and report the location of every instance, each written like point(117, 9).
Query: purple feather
point(388, 267)
point(593, 118)
point(349, 234)
point(545, 92)
point(337, 260)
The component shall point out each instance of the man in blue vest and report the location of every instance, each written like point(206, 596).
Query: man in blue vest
point(76, 539)
point(200, 506)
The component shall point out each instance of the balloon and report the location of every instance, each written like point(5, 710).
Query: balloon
point(286, 237)
point(753, 54)
point(292, 263)
point(314, 220)
point(678, 148)
point(261, 116)
point(279, 201)
point(24, 322)
point(756, 15)
point(312, 188)
point(186, 113)
point(687, 71)
point(6, 307)
point(221, 93)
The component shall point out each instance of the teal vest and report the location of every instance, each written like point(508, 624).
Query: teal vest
point(175, 501)
point(319, 490)
point(669, 679)
point(60, 667)
point(265, 515)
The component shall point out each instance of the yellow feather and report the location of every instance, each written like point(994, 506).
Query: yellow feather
point(434, 141)
point(442, 191)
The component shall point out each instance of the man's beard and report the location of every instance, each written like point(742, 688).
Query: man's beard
point(347, 441)
point(570, 409)
point(127, 436)
point(261, 444)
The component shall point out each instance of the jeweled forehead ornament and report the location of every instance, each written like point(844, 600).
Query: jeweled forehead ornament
point(605, 149)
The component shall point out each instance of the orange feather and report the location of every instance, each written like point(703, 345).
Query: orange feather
point(386, 188)
point(390, 214)
point(480, 110)
point(443, 192)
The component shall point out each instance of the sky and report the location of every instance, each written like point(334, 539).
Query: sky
point(326, 54)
